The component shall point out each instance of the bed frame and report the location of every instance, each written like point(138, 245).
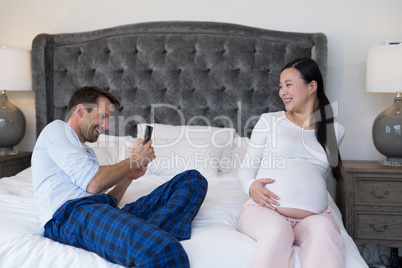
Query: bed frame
point(196, 73)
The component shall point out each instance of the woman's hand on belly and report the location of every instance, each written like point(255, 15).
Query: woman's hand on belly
point(294, 212)
point(261, 195)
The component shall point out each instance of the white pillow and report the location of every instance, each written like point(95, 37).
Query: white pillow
point(233, 157)
point(178, 148)
point(220, 137)
point(112, 149)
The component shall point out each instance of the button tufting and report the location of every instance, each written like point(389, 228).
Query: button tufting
point(212, 69)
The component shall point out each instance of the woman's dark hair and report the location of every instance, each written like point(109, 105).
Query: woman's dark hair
point(324, 130)
point(89, 95)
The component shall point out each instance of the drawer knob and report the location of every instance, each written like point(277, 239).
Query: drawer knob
point(379, 196)
point(379, 230)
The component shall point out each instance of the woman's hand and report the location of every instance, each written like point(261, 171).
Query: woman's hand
point(262, 196)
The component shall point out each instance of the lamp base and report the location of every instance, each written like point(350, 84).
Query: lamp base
point(392, 162)
point(387, 133)
point(8, 151)
point(12, 124)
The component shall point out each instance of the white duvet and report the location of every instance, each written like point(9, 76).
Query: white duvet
point(215, 243)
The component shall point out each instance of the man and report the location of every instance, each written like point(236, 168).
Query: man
point(70, 189)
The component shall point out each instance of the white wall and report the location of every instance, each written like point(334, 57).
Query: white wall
point(351, 28)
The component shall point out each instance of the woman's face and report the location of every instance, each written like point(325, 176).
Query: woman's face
point(296, 94)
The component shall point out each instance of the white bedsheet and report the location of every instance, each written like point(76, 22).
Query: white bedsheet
point(214, 243)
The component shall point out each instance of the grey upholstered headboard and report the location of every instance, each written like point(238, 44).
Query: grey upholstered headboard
point(181, 72)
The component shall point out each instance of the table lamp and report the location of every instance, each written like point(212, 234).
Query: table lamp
point(15, 74)
point(384, 75)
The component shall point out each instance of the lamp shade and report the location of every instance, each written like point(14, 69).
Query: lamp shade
point(384, 69)
point(15, 69)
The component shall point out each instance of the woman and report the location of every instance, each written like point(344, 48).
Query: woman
point(291, 154)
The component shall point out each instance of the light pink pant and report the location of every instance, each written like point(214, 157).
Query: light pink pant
point(318, 236)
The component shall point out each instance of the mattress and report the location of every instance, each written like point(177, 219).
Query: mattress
point(215, 242)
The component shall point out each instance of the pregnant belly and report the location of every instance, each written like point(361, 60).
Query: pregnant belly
point(294, 212)
point(301, 189)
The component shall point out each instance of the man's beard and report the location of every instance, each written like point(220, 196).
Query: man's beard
point(90, 136)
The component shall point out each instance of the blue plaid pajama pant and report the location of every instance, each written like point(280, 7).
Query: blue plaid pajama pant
point(145, 233)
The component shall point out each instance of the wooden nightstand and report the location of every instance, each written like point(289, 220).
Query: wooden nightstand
point(370, 199)
point(12, 164)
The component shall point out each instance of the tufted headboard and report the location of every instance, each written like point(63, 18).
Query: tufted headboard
point(176, 72)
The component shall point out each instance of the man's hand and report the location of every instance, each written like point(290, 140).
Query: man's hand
point(141, 155)
point(262, 196)
point(137, 173)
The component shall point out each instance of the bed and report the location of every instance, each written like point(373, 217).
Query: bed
point(202, 85)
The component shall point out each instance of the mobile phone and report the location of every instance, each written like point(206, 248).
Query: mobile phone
point(147, 134)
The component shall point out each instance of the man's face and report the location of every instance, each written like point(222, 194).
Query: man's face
point(97, 121)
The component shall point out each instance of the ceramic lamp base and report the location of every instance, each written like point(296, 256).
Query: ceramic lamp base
point(12, 124)
point(387, 133)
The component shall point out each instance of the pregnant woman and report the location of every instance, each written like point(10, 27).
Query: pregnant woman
point(290, 157)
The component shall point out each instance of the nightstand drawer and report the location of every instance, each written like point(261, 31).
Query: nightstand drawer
point(378, 226)
point(378, 192)
point(370, 199)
